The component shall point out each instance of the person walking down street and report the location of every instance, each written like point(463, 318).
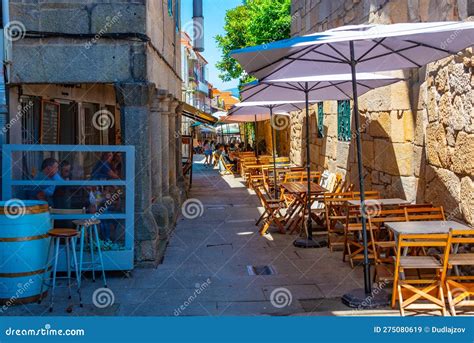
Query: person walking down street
point(207, 153)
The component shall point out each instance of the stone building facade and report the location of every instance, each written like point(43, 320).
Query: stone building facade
point(124, 54)
point(418, 135)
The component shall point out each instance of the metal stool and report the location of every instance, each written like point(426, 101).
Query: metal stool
point(90, 225)
point(69, 236)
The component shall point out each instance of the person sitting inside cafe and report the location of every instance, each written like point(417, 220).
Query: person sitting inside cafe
point(49, 172)
point(103, 170)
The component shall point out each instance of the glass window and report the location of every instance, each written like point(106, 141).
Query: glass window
point(320, 120)
point(170, 8)
point(344, 120)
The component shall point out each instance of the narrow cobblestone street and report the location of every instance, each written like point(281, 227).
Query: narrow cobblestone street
point(205, 268)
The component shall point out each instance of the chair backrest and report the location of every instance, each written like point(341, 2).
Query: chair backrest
point(425, 241)
point(424, 213)
point(315, 176)
point(368, 195)
point(293, 176)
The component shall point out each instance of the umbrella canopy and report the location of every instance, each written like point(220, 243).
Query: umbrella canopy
point(325, 87)
point(246, 118)
point(260, 108)
point(376, 48)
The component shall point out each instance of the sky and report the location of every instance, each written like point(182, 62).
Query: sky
point(214, 19)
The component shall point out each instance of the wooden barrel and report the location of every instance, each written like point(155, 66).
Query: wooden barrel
point(24, 225)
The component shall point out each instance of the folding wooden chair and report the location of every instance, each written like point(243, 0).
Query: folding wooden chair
point(383, 244)
point(353, 244)
point(460, 286)
point(271, 214)
point(334, 204)
point(423, 293)
point(228, 169)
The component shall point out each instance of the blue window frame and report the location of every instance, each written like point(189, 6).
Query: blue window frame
point(170, 8)
point(344, 120)
point(320, 120)
point(176, 16)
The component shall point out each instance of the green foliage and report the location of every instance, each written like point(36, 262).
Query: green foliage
point(256, 22)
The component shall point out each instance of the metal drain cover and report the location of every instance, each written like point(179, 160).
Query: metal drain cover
point(261, 270)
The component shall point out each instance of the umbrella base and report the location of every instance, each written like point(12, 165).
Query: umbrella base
point(357, 298)
point(309, 243)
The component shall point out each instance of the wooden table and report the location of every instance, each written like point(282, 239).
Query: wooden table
point(425, 227)
point(381, 202)
point(297, 209)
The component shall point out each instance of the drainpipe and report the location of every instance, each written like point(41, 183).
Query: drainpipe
point(198, 26)
point(5, 45)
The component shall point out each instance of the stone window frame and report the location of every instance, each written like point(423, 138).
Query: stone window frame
point(344, 120)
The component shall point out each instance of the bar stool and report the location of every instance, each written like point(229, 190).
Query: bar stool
point(69, 236)
point(89, 227)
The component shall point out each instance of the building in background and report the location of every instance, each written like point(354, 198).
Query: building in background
point(418, 139)
point(105, 74)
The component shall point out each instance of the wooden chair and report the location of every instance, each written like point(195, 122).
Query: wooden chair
point(414, 213)
point(460, 287)
point(228, 169)
point(353, 244)
point(215, 158)
point(383, 244)
point(334, 204)
point(271, 214)
point(423, 293)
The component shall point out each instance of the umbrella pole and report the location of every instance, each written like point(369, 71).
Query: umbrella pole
point(256, 137)
point(274, 154)
point(308, 242)
point(362, 298)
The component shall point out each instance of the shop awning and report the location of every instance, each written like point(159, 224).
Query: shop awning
point(198, 115)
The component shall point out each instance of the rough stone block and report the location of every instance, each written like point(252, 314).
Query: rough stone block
point(463, 157)
point(467, 199)
point(118, 18)
point(106, 62)
point(436, 146)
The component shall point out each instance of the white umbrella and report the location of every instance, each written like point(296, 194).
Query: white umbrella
point(323, 87)
point(357, 48)
point(375, 48)
point(264, 110)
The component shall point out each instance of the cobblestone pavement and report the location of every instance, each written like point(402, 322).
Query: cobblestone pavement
point(205, 270)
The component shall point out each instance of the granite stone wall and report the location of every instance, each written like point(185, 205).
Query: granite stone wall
point(417, 135)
